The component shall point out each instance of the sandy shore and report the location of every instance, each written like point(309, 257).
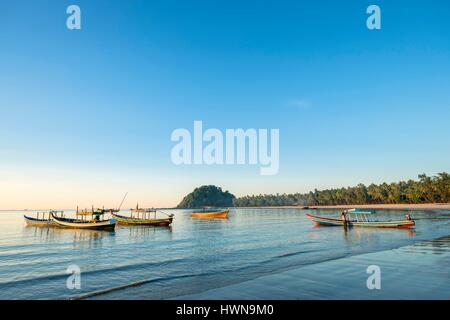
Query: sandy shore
point(411, 272)
point(422, 206)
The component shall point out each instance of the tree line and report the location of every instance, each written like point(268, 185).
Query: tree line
point(434, 189)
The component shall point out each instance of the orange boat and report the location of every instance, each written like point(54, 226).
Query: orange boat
point(211, 214)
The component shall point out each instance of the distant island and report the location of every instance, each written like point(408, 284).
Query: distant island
point(207, 196)
point(425, 190)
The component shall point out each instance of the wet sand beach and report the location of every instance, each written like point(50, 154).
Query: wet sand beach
point(418, 271)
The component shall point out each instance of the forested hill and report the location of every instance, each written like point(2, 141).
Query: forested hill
point(211, 196)
point(435, 189)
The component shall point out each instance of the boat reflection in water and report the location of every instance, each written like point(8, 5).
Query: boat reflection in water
point(139, 233)
point(358, 236)
point(78, 237)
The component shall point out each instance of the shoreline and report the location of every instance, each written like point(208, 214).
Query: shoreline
point(325, 280)
point(404, 206)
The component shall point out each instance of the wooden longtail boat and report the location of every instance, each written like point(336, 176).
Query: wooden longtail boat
point(223, 214)
point(93, 224)
point(141, 216)
point(42, 221)
point(359, 223)
point(143, 222)
point(35, 222)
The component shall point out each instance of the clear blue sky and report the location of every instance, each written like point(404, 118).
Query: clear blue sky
point(87, 115)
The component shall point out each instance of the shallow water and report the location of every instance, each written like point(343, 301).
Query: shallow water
point(194, 255)
point(419, 272)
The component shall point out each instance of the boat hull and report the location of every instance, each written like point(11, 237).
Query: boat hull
point(368, 224)
point(39, 222)
point(208, 215)
point(107, 225)
point(143, 222)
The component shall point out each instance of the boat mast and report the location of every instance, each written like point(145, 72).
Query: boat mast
point(120, 206)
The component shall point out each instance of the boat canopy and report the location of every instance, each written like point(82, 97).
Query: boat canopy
point(96, 212)
point(358, 211)
point(143, 210)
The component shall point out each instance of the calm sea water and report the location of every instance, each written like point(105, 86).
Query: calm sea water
point(193, 255)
